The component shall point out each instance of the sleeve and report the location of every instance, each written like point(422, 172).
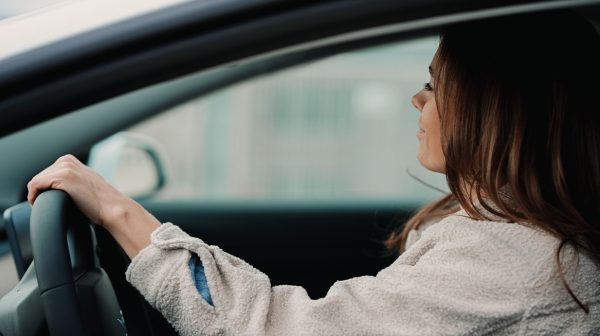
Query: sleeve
point(410, 297)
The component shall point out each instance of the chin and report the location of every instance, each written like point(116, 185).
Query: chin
point(437, 167)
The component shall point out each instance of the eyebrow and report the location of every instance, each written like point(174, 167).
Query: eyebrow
point(430, 70)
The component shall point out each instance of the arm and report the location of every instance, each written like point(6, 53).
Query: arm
point(411, 297)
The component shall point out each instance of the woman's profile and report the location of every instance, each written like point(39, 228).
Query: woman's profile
point(509, 115)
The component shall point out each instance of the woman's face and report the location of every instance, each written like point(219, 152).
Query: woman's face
point(430, 145)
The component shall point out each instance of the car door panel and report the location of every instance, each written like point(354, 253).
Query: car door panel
point(310, 246)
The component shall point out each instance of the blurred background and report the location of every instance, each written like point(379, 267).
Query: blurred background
point(338, 129)
point(10, 8)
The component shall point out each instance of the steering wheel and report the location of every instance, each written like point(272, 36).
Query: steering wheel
point(76, 294)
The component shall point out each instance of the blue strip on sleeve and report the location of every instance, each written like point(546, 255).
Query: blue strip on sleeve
point(200, 278)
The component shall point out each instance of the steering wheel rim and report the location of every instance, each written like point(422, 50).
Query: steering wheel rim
point(76, 294)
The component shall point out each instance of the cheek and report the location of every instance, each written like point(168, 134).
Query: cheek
point(430, 152)
point(430, 119)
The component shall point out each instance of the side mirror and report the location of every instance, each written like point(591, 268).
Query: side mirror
point(131, 163)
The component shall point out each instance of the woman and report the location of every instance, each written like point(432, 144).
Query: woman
point(509, 116)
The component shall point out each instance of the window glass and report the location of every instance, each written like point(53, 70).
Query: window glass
point(342, 128)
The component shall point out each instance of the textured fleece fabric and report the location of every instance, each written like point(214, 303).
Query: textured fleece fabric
point(460, 277)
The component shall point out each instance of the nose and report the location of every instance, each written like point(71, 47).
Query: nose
point(418, 101)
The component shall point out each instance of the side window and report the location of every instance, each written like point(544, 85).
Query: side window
point(342, 128)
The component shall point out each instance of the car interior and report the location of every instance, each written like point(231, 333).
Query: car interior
point(310, 242)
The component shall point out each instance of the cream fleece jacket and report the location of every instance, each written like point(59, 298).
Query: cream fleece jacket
point(459, 277)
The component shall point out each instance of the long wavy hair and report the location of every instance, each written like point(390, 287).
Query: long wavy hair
point(518, 99)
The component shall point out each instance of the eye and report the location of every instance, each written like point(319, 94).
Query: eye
point(427, 87)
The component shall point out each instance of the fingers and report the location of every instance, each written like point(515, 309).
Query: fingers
point(53, 179)
point(93, 196)
point(64, 169)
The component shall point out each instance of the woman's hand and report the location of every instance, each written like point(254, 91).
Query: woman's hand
point(97, 199)
point(124, 218)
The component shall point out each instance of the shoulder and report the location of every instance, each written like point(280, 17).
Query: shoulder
point(494, 243)
point(492, 235)
point(513, 257)
point(483, 253)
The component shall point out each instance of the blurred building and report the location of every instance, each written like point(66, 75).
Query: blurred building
point(340, 128)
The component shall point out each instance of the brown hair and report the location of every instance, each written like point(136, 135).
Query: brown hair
point(520, 127)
